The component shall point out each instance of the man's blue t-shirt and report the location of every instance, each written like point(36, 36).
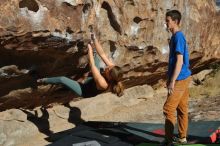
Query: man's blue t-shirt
point(178, 45)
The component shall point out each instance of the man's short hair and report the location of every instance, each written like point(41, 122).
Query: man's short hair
point(175, 15)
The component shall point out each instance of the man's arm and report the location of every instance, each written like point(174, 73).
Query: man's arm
point(178, 67)
point(99, 79)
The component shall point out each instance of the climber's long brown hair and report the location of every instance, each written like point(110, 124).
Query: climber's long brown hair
point(116, 85)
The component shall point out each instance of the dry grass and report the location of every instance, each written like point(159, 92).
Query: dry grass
point(209, 88)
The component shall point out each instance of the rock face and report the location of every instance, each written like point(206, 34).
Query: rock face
point(41, 38)
point(46, 34)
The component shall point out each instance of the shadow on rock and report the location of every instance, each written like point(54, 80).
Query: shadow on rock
point(41, 122)
point(74, 117)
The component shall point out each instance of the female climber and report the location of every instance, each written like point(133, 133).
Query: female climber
point(98, 82)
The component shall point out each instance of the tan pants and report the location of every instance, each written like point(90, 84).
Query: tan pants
point(177, 101)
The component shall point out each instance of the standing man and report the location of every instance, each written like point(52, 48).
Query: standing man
point(178, 81)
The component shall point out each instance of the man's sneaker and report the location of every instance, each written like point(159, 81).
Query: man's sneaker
point(180, 140)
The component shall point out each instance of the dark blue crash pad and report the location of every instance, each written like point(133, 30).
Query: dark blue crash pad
point(128, 134)
point(85, 135)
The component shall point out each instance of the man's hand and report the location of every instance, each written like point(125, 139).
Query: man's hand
point(171, 87)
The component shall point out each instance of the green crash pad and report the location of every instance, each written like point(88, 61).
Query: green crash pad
point(151, 144)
